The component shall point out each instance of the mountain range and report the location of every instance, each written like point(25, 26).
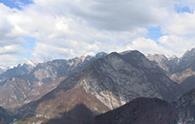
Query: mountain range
point(180, 70)
point(114, 88)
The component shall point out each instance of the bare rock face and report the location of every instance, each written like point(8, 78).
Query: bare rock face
point(180, 77)
point(141, 111)
point(119, 78)
point(161, 60)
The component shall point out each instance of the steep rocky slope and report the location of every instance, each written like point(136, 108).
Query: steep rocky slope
point(141, 111)
point(25, 83)
point(119, 78)
point(185, 67)
point(78, 115)
point(187, 85)
point(180, 70)
point(61, 100)
point(104, 84)
point(161, 60)
point(177, 68)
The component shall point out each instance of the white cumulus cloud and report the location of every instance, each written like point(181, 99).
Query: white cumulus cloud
point(65, 29)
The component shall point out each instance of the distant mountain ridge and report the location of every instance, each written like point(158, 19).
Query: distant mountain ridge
point(175, 65)
point(24, 83)
point(50, 91)
point(180, 70)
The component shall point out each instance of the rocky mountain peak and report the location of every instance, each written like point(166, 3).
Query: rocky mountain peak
point(174, 64)
point(137, 59)
point(115, 78)
point(189, 52)
point(100, 54)
point(187, 60)
point(134, 53)
point(159, 58)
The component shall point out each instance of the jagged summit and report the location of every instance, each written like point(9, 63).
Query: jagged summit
point(189, 52)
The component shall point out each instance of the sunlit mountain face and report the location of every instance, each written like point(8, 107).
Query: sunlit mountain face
point(104, 88)
point(97, 62)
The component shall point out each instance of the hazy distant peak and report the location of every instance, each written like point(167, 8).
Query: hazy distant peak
point(157, 57)
point(131, 51)
point(31, 62)
point(100, 54)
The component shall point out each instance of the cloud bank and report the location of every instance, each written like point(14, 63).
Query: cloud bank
point(49, 29)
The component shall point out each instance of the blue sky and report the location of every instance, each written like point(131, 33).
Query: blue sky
point(183, 9)
point(154, 33)
point(35, 30)
point(16, 3)
point(29, 42)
